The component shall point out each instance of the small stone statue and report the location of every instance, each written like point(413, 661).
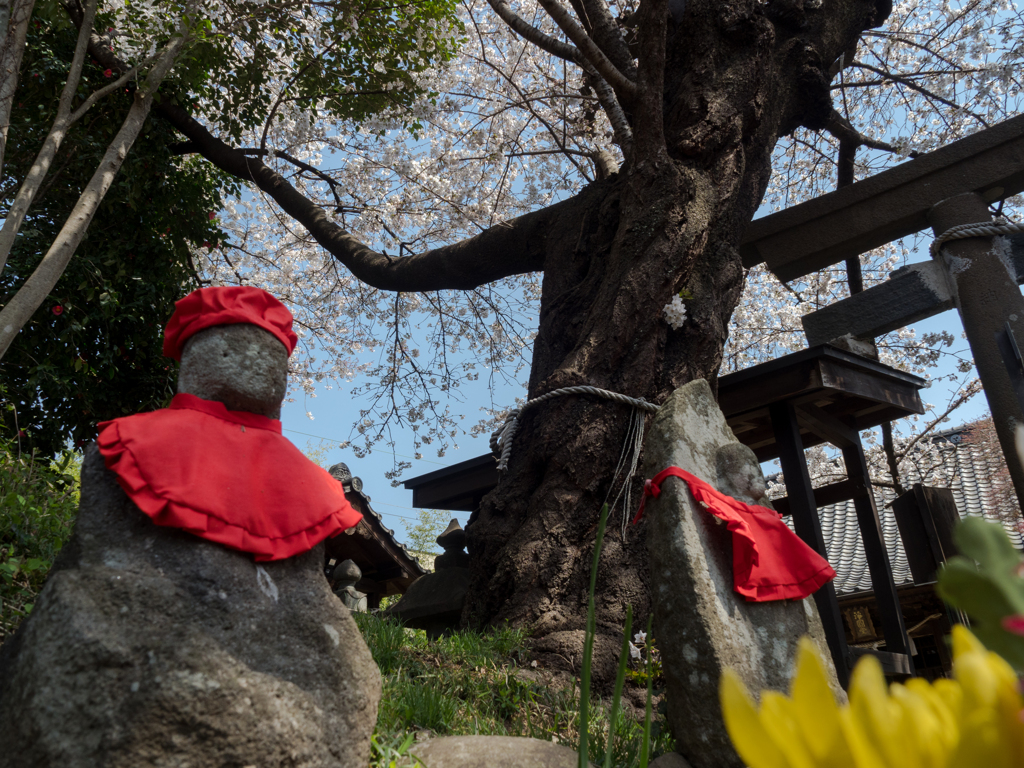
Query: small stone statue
point(346, 575)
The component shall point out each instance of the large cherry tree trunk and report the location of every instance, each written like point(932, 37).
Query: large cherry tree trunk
point(671, 220)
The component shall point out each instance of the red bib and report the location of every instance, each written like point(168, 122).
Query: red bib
point(769, 561)
point(227, 476)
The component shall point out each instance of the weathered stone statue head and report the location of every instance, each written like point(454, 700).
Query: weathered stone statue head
point(233, 344)
point(242, 366)
point(739, 474)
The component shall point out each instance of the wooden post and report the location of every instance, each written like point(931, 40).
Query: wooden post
point(808, 527)
point(886, 598)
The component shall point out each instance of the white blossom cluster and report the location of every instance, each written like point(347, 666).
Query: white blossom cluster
point(675, 313)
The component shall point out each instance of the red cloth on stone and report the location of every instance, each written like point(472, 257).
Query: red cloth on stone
point(769, 561)
point(227, 305)
point(227, 476)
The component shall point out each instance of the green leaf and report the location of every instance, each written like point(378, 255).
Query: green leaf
point(986, 582)
point(987, 543)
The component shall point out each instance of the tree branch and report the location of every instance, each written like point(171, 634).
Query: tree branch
point(621, 132)
point(625, 89)
point(608, 36)
point(58, 130)
point(650, 104)
point(510, 248)
point(531, 34)
point(12, 48)
point(34, 290)
point(843, 130)
point(920, 89)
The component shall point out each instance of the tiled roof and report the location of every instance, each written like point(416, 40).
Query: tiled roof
point(962, 466)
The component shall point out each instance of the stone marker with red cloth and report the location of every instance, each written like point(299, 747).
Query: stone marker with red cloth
point(228, 476)
point(769, 561)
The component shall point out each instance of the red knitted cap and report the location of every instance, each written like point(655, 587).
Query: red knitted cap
point(224, 306)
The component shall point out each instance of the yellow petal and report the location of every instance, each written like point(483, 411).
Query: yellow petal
point(922, 729)
point(982, 745)
point(854, 737)
point(814, 703)
point(949, 727)
point(951, 694)
point(964, 641)
point(753, 743)
point(875, 712)
point(978, 680)
point(778, 717)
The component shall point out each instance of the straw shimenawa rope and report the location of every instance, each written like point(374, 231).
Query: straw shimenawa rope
point(980, 229)
point(501, 438)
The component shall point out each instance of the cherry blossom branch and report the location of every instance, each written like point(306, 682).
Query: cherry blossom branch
point(281, 96)
point(920, 89)
point(621, 131)
point(966, 395)
point(510, 248)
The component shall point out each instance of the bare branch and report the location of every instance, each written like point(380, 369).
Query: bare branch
point(843, 130)
point(625, 89)
point(531, 34)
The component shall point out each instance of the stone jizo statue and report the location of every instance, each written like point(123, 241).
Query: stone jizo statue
point(188, 621)
point(346, 575)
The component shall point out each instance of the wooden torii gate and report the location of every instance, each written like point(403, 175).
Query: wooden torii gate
point(952, 186)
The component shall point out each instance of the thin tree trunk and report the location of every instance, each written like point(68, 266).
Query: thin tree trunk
point(37, 173)
point(39, 284)
point(14, 28)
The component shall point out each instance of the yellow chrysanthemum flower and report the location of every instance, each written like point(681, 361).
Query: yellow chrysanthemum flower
point(972, 721)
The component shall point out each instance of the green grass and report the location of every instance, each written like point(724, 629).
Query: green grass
point(38, 504)
point(467, 683)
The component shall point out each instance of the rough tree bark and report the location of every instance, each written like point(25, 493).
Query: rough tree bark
point(737, 77)
point(715, 85)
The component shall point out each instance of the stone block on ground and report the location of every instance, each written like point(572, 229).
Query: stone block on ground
point(493, 752)
point(701, 624)
point(149, 646)
point(670, 760)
